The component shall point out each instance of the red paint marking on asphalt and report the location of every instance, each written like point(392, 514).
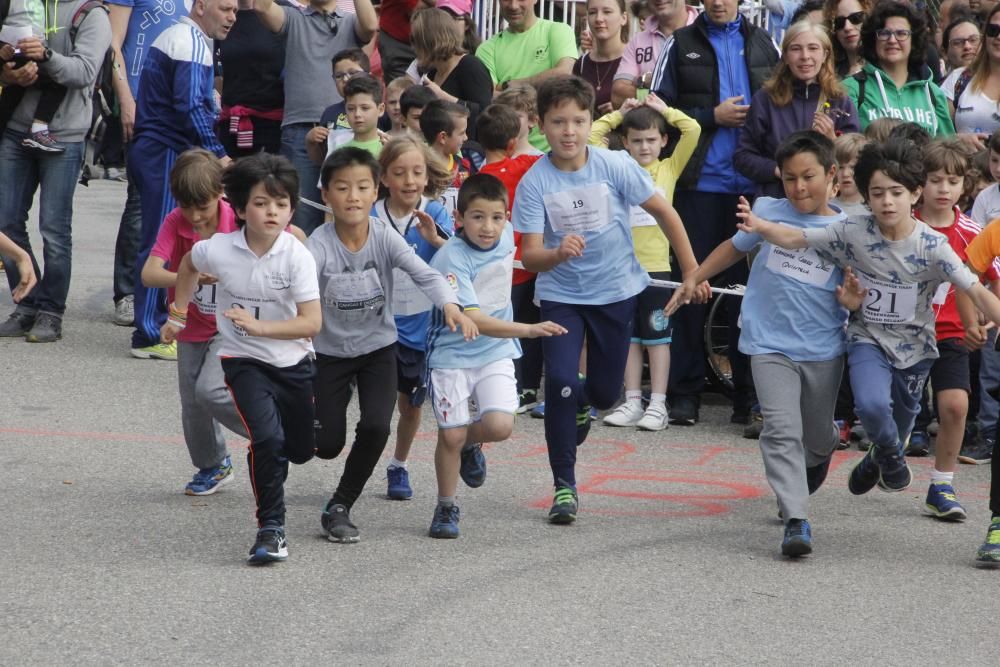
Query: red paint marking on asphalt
point(709, 455)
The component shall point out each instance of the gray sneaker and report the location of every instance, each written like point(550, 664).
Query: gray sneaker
point(125, 311)
point(47, 329)
point(17, 324)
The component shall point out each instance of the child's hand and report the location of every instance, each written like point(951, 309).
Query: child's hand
point(456, 319)
point(242, 318)
point(168, 333)
point(749, 222)
point(655, 103)
point(546, 329)
point(688, 292)
point(426, 226)
point(976, 336)
point(318, 135)
point(629, 104)
point(851, 294)
point(207, 279)
point(571, 246)
point(28, 278)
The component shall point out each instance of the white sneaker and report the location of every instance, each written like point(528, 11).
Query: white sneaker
point(627, 414)
point(125, 311)
point(655, 418)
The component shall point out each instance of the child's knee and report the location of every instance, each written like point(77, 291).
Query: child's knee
point(452, 438)
point(497, 426)
point(953, 406)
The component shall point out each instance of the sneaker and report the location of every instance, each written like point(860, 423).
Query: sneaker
point(583, 418)
point(399, 484)
point(655, 418)
point(844, 428)
point(859, 436)
point(527, 400)
point(627, 414)
point(816, 475)
point(684, 411)
point(473, 470)
point(18, 324)
point(115, 174)
point(42, 141)
point(798, 539)
point(919, 444)
point(444, 525)
point(538, 412)
point(165, 351)
point(125, 311)
point(269, 547)
point(46, 329)
point(865, 475)
point(337, 526)
point(894, 473)
point(989, 552)
point(564, 506)
point(753, 430)
point(976, 451)
point(942, 503)
point(208, 480)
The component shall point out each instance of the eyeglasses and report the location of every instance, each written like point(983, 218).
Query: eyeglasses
point(347, 76)
point(884, 35)
point(992, 30)
point(857, 18)
point(971, 40)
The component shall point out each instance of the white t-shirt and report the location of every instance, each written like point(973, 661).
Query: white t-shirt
point(987, 205)
point(974, 112)
point(268, 286)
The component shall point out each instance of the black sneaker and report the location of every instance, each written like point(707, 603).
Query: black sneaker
point(337, 526)
point(527, 400)
point(816, 475)
point(976, 451)
point(894, 473)
point(683, 411)
point(47, 329)
point(18, 324)
point(919, 444)
point(582, 424)
point(43, 141)
point(865, 474)
point(753, 430)
point(564, 506)
point(269, 547)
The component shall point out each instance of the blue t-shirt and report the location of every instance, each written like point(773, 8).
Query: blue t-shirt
point(790, 306)
point(412, 309)
point(481, 279)
point(148, 19)
point(592, 202)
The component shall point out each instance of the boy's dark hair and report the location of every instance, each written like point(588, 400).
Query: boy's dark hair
point(911, 132)
point(364, 85)
point(806, 8)
point(276, 172)
point(806, 141)
point(481, 186)
point(644, 118)
point(196, 178)
point(355, 56)
point(899, 159)
point(558, 89)
point(349, 156)
point(947, 155)
point(439, 116)
point(883, 11)
point(994, 142)
point(496, 126)
point(415, 97)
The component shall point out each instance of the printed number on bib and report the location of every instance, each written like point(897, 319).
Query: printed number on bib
point(407, 298)
point(492, 285)
point(254, 310)
point(941, 294)
point(449, 199)
point(805, 265)
point(580, 210)
point(204, 299)
point(354, 292)
point(638, 217)
point(888, 303)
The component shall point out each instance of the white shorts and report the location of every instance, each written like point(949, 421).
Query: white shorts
point(493, 388)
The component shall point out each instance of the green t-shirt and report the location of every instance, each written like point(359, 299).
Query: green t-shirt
point(518, 55)
point(374, 146)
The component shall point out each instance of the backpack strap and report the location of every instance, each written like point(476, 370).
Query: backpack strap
point(81, 13)
point(961, 83)
point(861, 77)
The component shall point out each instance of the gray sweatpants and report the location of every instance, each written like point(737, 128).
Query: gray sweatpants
point(796, 400)
point(205, 402)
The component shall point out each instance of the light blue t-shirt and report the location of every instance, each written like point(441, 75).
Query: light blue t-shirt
point(594, 203)
point(790, 306)
point(482, 280)
point(148, 19)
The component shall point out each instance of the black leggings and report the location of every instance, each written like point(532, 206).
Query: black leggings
point(48, 103)
point(375, 374)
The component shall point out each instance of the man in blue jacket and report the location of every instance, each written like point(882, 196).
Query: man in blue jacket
point(710, 73)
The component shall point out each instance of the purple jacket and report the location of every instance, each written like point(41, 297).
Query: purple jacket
point(767, 126)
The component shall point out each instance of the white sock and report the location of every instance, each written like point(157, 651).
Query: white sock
point(38, 127)
point(657, 398)
point(938, 476)
point(633, 396)
point(446, 501)
point(396, 463)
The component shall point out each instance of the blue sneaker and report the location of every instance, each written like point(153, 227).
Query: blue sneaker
point(538, 412)
point(444, 525)
point(399, 484)
point(473, 470)
point(942, 503)
point(894, 473)
point(919, 444)
point(269, 547)
point(564, 506)
point(798, 539)
point(990, 551)
point(207, 481)
point(865, 474)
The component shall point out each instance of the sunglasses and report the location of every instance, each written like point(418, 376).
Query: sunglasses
point(992, 30)
point(857, 18)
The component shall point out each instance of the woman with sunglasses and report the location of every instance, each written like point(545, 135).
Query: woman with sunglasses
point(895, 80)
point(974, 91)
point(844, 17)
point(802, 94)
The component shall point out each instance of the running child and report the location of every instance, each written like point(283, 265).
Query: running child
point(573, 211)
point(646, 125)
point(266, 284)
point(477, 263)
point(357, 259)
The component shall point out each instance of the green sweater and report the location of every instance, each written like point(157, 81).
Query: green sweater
point(919, 101)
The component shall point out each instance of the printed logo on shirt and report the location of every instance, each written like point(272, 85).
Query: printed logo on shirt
point(354, 293)
point(452, 280)
point(278, 280)
point(692, 56)
point(541, 53)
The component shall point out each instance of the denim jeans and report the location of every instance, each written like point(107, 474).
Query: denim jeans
point(22, 171)
point(293, 147)
point(127, 243)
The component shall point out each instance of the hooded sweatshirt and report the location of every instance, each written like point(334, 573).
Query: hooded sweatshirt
point(74, 64)
point(919, 101)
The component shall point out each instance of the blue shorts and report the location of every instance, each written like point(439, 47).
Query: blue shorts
point(651, 325)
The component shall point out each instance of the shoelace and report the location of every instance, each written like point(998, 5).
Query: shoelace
point(564, 496)
point(993, 534)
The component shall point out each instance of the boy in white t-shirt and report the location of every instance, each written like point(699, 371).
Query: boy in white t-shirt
point(269, 309)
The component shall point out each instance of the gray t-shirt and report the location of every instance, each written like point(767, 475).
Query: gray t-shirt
point(902, 278)
point(856, 212)
point(310, 45)
point(356, 288)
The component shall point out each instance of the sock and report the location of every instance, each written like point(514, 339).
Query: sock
point(633, 396)
point(657, 398)
point(446, 501)
point(396, 463)
point(938, 476)
point(38, 127)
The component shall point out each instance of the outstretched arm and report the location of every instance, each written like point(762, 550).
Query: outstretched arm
point(721, 259)
point(776, 233)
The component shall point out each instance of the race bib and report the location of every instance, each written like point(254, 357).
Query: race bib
point(888, 303)
point(204, 299)
point(449, 199)
point(941, 294)
point(492, 284)
point(354, 292)
point(580, 210)
point(805, 265)
point(637, 216)
point(407, 298)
